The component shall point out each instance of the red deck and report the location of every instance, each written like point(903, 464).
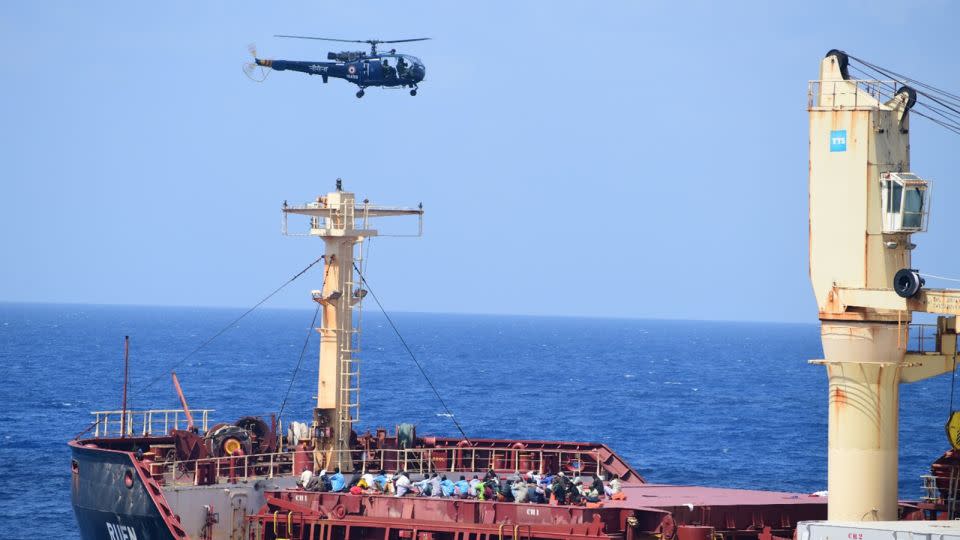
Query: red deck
point(660, 495)
point(666, 511)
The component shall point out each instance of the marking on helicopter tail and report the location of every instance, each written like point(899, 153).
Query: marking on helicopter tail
point(838, 141)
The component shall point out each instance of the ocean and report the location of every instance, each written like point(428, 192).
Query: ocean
point(687, 402)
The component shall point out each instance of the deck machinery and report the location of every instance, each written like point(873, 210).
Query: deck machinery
point(865, 206)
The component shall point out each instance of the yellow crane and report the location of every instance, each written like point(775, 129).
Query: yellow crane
point(866, 203)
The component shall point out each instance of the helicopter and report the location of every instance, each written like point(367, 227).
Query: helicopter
point(384, 69)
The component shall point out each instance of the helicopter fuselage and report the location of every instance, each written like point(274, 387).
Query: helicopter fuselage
point(389, 70)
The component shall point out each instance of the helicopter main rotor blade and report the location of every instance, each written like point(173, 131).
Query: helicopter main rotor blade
point(323, 39)
point(370, 41)
point(405, 40)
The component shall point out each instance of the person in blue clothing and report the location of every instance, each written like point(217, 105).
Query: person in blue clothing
point(462, 487)
point(337, 482)
point(446, 486)
point(424, 488)
point(380, 481)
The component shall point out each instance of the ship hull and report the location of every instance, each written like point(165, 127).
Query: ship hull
point(117, 496)
point(105, 507)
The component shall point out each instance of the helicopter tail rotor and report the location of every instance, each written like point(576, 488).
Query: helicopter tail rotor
point(255, 70)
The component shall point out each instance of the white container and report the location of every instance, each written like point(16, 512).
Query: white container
point(878, 530)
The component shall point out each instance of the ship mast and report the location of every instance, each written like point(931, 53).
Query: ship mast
point(343, 224)
point(865, 205)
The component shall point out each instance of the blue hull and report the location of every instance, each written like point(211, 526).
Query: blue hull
point(104, 504)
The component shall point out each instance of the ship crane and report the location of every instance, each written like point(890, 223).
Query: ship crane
point(343, 224)
point(866, 203)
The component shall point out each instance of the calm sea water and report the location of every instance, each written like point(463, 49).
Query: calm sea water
point(711, 403)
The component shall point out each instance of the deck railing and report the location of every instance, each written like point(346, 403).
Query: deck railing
point(851, 93)
point(943, 490)
point(149, 422)
point(922, 338)
point(415, 461)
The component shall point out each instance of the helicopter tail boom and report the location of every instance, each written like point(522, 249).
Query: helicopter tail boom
point(326, 69)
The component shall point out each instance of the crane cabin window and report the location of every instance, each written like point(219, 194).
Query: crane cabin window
point(905, 198)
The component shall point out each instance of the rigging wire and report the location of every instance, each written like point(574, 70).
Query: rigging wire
point(306, 341)
point(410, 352)
point(953, 117)
point(951, 124)
point(92, 425)
point(895, 75)
point(232, 323)
point(215, 336)
point(949, 103)
point(924, 274)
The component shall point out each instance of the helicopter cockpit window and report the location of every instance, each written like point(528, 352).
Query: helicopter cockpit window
point(402, 66)
point(405, 63)
point(390, 67)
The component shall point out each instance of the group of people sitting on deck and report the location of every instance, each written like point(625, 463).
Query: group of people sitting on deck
point(522, 488)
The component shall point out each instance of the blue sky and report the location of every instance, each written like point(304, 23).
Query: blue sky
point(623, 159)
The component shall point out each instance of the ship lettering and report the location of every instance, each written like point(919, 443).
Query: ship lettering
point(121, 532)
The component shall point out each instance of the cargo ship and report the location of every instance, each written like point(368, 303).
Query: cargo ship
point(176, 474)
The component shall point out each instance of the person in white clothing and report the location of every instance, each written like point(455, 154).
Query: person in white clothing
point(402, 484)
point(305, 477)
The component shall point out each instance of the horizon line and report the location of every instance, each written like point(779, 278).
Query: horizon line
point(453, 313)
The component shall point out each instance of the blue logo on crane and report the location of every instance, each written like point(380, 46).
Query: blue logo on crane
point(838, 141)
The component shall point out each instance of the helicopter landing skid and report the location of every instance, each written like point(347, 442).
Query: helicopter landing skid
point(413, 90)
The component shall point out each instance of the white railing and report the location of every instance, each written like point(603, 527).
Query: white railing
point(931, 491)
point(850, 93)
point(220, 469)
point(356, 216)
point(150, 422)
point(415, 461)
point(922, 338)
